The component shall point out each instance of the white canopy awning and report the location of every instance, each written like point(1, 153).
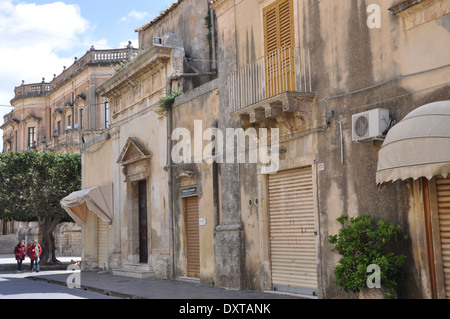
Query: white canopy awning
point(418, 146)
point(98, 200)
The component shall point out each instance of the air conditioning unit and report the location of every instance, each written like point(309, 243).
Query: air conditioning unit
point(158, 41)
point(370, 125)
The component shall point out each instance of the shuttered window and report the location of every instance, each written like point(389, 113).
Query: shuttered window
point(102, 244)
point(192, 237)
point(293, 246)
point(279, 47)
point(443, 196)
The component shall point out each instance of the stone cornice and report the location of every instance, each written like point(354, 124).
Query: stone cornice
point(404, 5)
point(221, 5)
point(129, 76)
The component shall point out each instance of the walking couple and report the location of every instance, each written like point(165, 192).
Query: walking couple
point(33, 251)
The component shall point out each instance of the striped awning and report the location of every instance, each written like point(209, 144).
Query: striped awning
point(418, 146)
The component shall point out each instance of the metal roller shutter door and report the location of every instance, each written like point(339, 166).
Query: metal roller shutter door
point(292, 231)
point(192, 237)
point(443, 196)
point(102, 244)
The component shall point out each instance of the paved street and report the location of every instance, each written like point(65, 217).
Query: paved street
point(15, 285)
point(52, 284)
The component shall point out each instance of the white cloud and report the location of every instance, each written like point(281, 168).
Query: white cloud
point(56, 24)
point(135, 15)
point(38, 41)
point(34, 39)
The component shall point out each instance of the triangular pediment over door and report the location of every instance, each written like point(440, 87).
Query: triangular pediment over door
point(135, 159)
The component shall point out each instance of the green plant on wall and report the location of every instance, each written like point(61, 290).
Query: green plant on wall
point(166, 102)
point(208, 25)
point(363, 242)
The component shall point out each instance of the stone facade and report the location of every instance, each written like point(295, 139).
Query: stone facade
point(342, 59)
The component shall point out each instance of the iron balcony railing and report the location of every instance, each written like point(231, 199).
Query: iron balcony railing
point(287, 69)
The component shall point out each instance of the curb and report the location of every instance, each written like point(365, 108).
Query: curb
point(88, 288)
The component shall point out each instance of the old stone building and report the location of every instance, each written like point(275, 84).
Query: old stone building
point(54, 116)
point(311, 69)
point(135, 233)
point(57, 116)
point(330, 90)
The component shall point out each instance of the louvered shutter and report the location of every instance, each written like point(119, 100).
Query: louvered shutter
point(443, 196)
point(279, 47)
point(285, 12)
point(102, 244)
point(192, 237)
point(292, 231)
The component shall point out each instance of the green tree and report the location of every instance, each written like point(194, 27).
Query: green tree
point(31, 188)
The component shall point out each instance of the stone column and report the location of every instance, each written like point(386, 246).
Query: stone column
point(229, 235)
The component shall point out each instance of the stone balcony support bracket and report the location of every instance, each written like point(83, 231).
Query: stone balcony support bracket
point(294, 108)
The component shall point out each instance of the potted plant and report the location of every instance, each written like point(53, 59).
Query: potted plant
point(365, 244)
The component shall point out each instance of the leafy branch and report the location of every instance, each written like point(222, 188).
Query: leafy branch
point(362, 242)
point(166, 102)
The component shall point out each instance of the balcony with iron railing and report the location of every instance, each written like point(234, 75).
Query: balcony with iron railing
point(271, 87)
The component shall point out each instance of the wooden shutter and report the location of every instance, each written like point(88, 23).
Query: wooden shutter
point(443, 196)
point(286, 23)
point(292, 231)
point(192, 237)
point(102, 244)
point(279, 47)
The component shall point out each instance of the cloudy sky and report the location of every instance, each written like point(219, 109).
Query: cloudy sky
point(38, 38)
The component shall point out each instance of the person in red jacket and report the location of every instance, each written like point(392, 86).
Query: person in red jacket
point(35, 251)
point(20, 251)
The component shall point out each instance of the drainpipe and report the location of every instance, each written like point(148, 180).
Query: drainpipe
point(215, 174)
point(342, 143)
point(213, 36)
point(168, 169)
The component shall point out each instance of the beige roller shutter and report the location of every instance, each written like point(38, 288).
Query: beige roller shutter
point(192, 237)
point(292, 231)
point(443, 196)
point(102, 244)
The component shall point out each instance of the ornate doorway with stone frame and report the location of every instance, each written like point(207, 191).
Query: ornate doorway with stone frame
point(136, 161)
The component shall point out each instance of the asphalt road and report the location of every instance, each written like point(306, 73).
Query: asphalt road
point(15, 285)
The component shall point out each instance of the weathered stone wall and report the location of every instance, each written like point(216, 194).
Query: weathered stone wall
point(202, 105)
point(354, 68)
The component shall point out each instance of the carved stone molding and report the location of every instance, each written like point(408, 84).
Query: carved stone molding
point(136, 160)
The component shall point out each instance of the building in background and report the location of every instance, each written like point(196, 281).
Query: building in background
point(55, 116)
point(58, 116)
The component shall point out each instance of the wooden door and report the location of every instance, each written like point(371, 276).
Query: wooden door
point(102, 244)
point(192, 236)
point(143, 235)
